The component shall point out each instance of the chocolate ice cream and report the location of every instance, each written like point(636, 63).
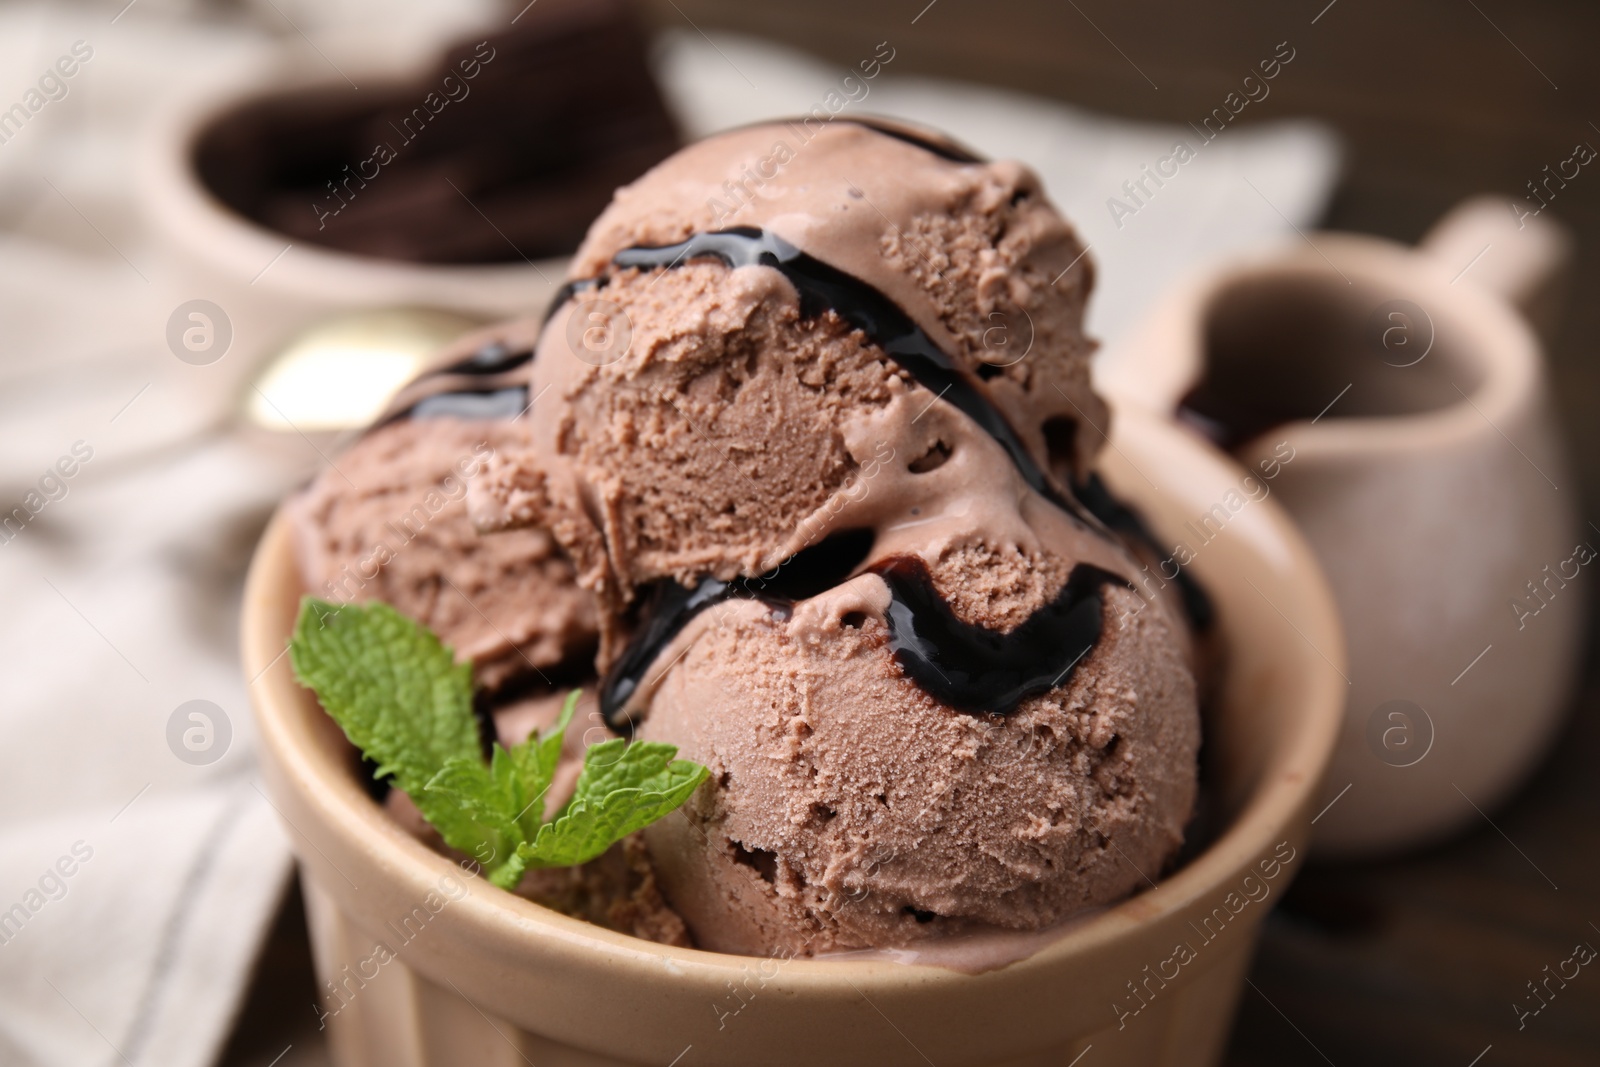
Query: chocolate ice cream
point(847, 550)
point(388, 521)
point(806, 446)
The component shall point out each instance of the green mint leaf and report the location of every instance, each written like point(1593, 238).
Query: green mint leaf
point(623, 788)
point(483, 800)
point(396, 691)
point(535, 761)
point(616, 764)
point(401, 698)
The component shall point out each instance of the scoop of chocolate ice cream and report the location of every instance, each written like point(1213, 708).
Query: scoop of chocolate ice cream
point(853, 809)
point(774, 432)
point(695, 413)
point(388, 521)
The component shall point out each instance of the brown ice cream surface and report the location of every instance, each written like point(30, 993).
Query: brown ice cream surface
point(701, 462)
point(853, 810)
point(973, 252)
point(725, 389)
point(699, 420)
point(388, 521)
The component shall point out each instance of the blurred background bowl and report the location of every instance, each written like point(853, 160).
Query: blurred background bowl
point(272, 287)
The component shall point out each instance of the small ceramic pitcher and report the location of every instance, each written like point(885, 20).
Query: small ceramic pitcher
point(1393, 400)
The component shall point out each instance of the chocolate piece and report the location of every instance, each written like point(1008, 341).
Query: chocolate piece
point(505, 151)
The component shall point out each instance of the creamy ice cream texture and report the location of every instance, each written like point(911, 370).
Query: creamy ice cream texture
point(388, 521)
point(813, 426)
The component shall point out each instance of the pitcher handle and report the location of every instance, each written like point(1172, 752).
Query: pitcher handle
point(1508, 248)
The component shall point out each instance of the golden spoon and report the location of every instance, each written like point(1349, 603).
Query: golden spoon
point(339, 374)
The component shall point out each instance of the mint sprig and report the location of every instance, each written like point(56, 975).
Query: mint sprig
point(401, 698)
point(624, 787)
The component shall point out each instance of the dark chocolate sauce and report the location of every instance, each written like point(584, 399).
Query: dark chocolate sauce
point(669, 610)
point(474, 400)
point(981, 671)
point(1122, 519)
point(808, 573)
point(503, 403)
point(967, 667)
point(496, 357)
point(825, 288)
point(571, 289)
point(974, 670)
point(943, 147)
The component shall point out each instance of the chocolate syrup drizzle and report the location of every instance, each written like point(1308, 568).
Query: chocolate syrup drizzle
point(1130, 524)
point(967, 667)
point(943, 147)
point(488, 399)
point(825, 288)
point(808, 573)
point(976, 670)
point(496, 357)
point(964, 666)
point(487, 403)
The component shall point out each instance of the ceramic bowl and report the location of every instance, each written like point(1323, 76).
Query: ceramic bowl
point(430, 968)
point(268, 287)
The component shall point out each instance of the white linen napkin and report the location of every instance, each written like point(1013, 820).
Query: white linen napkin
point(135, 884)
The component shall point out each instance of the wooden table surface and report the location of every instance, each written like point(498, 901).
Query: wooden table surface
point(1411, 961)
